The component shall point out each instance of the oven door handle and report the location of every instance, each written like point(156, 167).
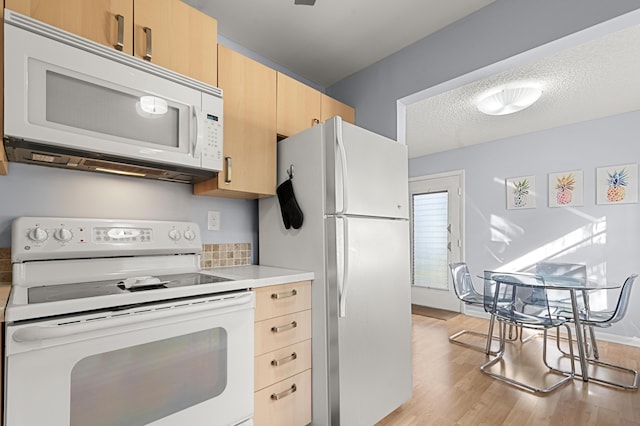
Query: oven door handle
point(39, 333)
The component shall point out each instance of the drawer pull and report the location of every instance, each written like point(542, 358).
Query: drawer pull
point(280, 328)
point(284, 295)
point(277, 396)
point(277, 362)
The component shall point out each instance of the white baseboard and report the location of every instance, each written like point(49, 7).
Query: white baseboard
point(605, 337)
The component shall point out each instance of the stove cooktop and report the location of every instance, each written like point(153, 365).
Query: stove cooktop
point(72, 291)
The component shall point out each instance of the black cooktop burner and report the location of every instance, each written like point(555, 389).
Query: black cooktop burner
point(70, 291)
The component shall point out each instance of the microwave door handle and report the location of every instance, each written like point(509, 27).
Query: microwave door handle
point(198, 138)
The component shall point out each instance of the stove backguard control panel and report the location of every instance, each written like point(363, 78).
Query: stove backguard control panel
point(37, 238)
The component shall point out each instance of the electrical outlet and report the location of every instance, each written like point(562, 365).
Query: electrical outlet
point(213, 221)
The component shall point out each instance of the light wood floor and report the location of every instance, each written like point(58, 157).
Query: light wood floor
point(450, 389)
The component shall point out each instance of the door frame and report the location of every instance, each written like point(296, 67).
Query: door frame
point(461, 180)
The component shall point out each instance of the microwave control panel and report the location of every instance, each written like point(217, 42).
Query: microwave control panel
point(212, 150)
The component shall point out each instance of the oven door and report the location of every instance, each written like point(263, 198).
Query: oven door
point(189, 362)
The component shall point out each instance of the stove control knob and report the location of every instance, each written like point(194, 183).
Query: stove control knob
point(63, 235)
point(174, 234)
point(189, 235)
point(37, 234)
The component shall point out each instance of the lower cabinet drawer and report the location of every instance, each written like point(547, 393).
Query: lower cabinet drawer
point(278, 332)
point(282, 363)
point(286, 403)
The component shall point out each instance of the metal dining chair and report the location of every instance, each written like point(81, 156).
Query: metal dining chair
point(606, 318)
point(560, 300)
point(466, 292)
point(505, 294)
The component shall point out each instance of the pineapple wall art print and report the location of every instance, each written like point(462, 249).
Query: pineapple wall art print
point(521, 192)
point(617, 184)
point(565, 189)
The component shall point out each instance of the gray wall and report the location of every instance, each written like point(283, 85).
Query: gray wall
point(42, 191)
point(495, 32)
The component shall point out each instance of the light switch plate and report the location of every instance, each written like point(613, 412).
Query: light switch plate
point(213, 221)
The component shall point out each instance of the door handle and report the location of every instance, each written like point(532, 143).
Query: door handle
point(227, 171)
point(147, 31)
point(120, 41)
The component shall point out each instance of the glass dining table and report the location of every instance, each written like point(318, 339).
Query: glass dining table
point(565, 283)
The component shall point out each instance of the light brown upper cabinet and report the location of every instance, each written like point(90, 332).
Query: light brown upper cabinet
point(331, 107)
point(183, 39)
point(249, 129)
point(301, 106)
point(298, 106)
point(168, 33)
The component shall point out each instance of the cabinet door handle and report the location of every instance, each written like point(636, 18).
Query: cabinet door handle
point(315, 121)
point(120, 41)
point(278, 329)
point(227, 171)
point(291, 293)
point(277, 362)
point(147, 31)
point(277, 396)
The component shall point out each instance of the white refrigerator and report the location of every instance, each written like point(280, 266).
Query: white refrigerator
point(352, 188)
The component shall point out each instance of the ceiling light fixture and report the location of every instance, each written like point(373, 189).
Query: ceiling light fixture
point(507, 100)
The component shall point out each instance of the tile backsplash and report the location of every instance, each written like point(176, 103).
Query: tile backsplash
point(5, 265)
point(213, 256)
point(221, 255)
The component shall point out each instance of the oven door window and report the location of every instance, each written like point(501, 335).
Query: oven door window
point(140, 384)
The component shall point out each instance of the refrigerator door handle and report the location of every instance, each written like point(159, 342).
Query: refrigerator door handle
point(342, 294)
point(343, 163)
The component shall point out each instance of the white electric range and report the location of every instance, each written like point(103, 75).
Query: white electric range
point(116, 324)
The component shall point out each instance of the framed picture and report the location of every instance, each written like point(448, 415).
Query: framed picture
point(521, 192)
point(617, 184)
point(566, 189)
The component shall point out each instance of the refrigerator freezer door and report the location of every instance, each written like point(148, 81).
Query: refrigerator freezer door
point(366, 173)
point(370, 355)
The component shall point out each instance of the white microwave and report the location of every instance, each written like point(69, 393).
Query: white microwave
point(73, 103)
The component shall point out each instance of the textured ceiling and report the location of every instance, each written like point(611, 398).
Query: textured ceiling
point(592, 80)
point(335, 38)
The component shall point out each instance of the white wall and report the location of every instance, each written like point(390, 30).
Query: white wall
point(605, 237)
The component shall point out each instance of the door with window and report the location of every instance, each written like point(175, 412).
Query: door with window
point(436, 239)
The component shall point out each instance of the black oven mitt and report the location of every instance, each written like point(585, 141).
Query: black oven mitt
point(291, 213)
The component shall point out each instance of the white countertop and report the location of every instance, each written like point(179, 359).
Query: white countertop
point(253, 276)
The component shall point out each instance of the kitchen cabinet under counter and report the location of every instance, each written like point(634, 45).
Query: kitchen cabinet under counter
point(282, 342)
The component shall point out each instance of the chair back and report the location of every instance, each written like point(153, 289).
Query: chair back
point(507, 296)
point(573, 270)
point(623, 299)
point(463, 284)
